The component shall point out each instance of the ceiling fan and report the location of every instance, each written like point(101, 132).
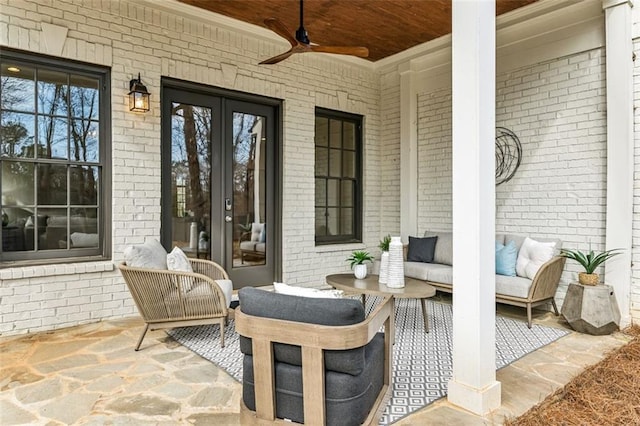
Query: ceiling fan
point(301, 44)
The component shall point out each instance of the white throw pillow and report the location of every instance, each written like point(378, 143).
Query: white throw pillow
point(283, 288)
point(150, 255)
point(178, 261)
point(533, 254)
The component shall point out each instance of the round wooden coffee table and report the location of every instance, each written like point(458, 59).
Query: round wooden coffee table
point(413, 289)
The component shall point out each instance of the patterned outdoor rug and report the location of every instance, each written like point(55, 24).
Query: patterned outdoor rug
point(422, 361)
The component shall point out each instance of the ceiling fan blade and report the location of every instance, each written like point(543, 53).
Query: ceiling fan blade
point(361, 52)
point(281, 29)
point(278, 58)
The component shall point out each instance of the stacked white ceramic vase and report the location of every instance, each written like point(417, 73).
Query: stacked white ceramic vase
point(383, 275)
point(395, 270)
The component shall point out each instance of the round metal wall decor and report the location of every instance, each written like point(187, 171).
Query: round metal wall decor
point(508, 154)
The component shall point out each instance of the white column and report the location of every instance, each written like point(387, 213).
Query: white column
point(619, 68)
point(408, 153)
point(473, 385)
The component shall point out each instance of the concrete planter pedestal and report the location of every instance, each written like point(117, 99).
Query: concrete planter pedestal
point(591, 309)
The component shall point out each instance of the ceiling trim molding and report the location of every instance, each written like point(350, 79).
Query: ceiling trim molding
point(517, 24)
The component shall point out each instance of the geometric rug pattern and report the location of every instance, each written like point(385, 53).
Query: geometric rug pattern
point(422, 363)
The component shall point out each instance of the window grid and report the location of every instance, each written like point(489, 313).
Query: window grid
point(337, 176)
point(59, 214)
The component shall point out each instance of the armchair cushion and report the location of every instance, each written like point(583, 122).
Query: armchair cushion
point(309, 310)
point(150, 255)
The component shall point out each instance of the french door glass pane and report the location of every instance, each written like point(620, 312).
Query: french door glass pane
point(249, 189)
point(191, 178)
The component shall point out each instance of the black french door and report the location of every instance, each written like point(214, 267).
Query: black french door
point(219, 180)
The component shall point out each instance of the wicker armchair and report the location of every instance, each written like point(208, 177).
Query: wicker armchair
point(167, 299)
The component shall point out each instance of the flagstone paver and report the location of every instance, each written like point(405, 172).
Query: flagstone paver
point(91, 375)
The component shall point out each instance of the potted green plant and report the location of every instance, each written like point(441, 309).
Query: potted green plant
point(589, 261)
point(357, 260)
point(384, 259)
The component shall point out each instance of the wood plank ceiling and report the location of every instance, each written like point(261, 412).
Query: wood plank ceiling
point(385, 27)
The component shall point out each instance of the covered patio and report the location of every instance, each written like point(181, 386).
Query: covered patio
point(557, 73)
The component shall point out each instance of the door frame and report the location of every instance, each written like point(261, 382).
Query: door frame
point(218, 253)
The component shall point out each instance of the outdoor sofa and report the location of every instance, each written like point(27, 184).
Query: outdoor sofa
point(517, 289)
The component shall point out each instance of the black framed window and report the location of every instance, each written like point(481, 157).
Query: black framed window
point(338, 170)
point(54, 166)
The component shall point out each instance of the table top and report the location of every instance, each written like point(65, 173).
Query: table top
point(413, 289)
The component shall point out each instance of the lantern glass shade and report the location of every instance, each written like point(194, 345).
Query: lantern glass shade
point(138, 96)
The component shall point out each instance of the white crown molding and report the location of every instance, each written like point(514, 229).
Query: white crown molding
point(518, 22)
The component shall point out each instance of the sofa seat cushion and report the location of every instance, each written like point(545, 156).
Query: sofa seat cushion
point(513, 286)
point(420, 271)
point(442, 275)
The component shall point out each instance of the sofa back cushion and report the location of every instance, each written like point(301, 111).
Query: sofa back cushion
point(444, 247)
point(335, 312)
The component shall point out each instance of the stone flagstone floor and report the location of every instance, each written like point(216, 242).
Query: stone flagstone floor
point(90, 375)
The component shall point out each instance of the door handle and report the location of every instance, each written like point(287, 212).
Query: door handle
point(228, 219)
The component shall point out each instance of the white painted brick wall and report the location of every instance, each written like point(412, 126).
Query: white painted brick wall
point(557, 109)
point(390, 154)
point(131, 37)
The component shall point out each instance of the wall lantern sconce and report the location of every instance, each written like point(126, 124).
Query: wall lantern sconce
point(138, 96)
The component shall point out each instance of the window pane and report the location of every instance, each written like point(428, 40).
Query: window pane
point(34, 228)
point(322, 131)
point(333, 221)
point(17, 88)
point(85, 97)
point(346, 221)
point(52, 92)
point(84, 140)
point(333, 192)
point(321, 227)
point(322, 162)
point(17, 134)
point(348, 135)
point(191, 175)
point(52, 184)
point(17, 183)
point(321, 192)
point(335, 133)
point(335, 163)
point(52, 137)
point(13, 226)
point(347, 193)
point(84, 188)
point(349, 164)
point(54, 235)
